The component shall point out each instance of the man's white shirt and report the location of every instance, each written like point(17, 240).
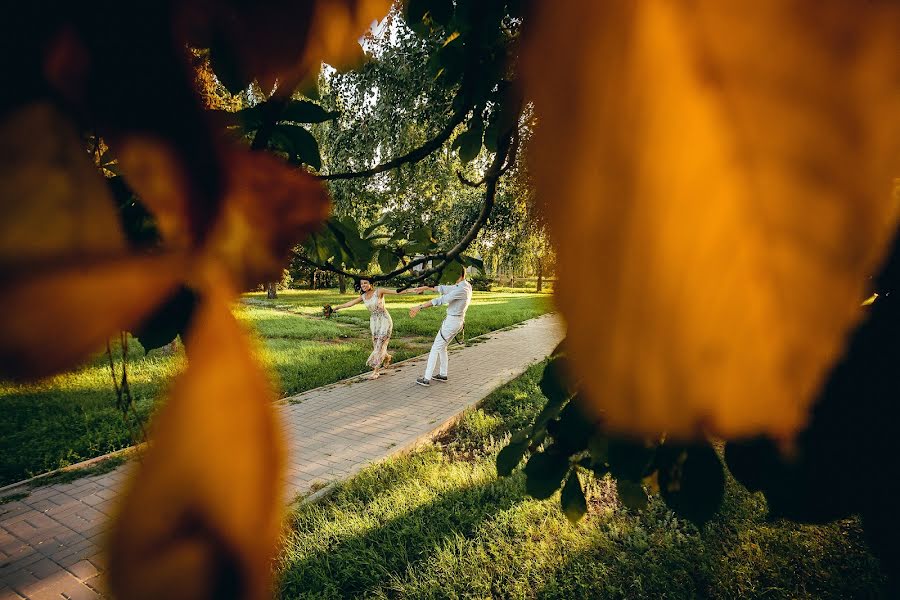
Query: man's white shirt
point(457, 298)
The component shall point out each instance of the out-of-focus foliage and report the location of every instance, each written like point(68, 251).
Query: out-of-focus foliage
point(565, 440)
point(107, 91)
point(726, 170)
point(205, 510)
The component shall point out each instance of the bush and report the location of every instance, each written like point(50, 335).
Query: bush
point(481, 283)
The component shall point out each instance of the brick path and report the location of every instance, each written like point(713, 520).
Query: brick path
point(50, 541)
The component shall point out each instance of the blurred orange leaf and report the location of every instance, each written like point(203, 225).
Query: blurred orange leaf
point(67, 281)
point(54, 202)
point(337, 28)
point(55, 318)
point(202, 516)
point(269, 207)
point(723, 171)
point(153, 170)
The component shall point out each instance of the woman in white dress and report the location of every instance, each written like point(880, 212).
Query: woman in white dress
point(380, 322)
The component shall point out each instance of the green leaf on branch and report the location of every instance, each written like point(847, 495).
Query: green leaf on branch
point(629, 459)
point(575, 428)
point(298, 143)
point(304, 111)
point(492, 134)
point(451, 272)
point(599, 449)
point(691, 480)
point(510, 107)
point(449, 61)
point(320, 248)
point(631, 494)
point(387, 260)
point(346, 232)
point(168, 321)
point(511, 455)
point(248, 119)
point(574, 505)
point(423, 235)
point(441, 11)
point(554, 384)
point(469, 141)
point(224, 64)
point(544, 472)
point(415, 11)
point(471, 261)
point(383, 220)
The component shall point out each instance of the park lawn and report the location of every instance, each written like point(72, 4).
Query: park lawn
point(489, 311)
point(73, 416)
point(438, 523)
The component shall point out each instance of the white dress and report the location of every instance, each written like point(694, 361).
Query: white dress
point(381, 325)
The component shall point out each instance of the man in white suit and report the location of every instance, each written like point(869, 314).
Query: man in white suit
point(457, 298)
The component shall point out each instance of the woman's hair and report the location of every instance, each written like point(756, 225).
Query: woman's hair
point(357, 285)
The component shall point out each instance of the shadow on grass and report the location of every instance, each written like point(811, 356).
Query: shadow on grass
point(738, 555)
point(45, 431)
point(360, 565)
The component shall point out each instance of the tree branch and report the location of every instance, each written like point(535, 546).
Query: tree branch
point(491, 177)
point(271, 110)
point(510, 161)
point(411, 157)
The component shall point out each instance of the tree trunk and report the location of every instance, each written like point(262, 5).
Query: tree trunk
point(342, 283)
point(271, 291)
point(540, 275)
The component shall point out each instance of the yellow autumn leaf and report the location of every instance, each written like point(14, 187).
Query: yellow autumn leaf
point(717, 176)
point(55, 205)
point(202, 515)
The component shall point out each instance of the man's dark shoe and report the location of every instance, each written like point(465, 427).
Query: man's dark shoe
point(423, 381)
point(440, 378)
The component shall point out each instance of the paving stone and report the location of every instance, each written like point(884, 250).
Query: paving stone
point(83, 570)
point(6, 593)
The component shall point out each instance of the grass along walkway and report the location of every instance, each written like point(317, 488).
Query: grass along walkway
point(72, 416)
point(439, 524)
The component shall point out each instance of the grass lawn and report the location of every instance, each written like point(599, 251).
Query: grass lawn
point(71, 417)
point(439, 524)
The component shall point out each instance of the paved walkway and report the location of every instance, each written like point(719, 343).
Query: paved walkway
point(50, 541)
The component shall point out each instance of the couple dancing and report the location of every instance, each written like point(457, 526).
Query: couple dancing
point(456, 297)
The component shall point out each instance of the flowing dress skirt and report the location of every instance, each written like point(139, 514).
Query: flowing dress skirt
point(382, 327)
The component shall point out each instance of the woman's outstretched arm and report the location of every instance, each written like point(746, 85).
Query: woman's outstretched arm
point(348, 304)
point(424, 288)
point(382, 292)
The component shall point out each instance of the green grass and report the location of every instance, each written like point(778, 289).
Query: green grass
point(72, 417)
point(489, 310)
point(439, 524)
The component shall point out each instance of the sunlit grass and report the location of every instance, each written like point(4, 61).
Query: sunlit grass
point(439, 524)
point(489, 311)
point(71, 417)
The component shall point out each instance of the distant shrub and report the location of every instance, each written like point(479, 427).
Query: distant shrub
point(481, 283)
